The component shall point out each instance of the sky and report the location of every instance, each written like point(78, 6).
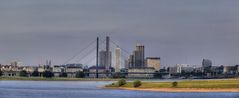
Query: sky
point(178, 31)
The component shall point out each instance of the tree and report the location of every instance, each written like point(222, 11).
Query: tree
point(35, 73)
point(48, 74)
point(157, 74)
point(80, 74)
point(23, 73)
point(175, 84)
point(121, 82)
point(86, 71)
point(0, 73)
point(137, 83)
point(64, 74)
point(163, 70)
point(118, 75)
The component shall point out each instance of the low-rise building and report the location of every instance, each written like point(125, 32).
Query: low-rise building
point(184, 68)
point(153, 62)
point(58, 70)
point(237, 68)
point(72, 70)
point(9, 70)
point(29, 69)
point(43, 68)
point(181, 68)
point(231, 70)
point(173, 70)
point(102, 72)
point(141, 72)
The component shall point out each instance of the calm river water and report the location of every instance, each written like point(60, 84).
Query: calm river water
point(86, 89)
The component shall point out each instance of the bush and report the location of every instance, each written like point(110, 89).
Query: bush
point(48, 74)
point(121, 82)
point(0, 73)
point(175, 84)
point(118, 75)
point(35, 73)
point(64, 74)
point(157, 74)
point(80, 74)
point(137, 83)
point(23, 73)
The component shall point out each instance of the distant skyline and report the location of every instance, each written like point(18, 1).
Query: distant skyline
point(177, 31)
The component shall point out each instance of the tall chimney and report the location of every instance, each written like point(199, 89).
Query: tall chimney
point(107, 43)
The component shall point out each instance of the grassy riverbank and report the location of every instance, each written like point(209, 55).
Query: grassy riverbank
point(55, 79)
point(227, 85)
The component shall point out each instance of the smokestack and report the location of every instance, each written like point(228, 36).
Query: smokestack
point(108, 53)
point(107, 43)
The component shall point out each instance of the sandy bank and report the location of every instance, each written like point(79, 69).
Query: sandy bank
point(178, 89)
point(184, 89)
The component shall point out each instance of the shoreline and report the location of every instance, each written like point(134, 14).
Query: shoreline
point(203, 90)
point(178, 90)
point(52, 79)
point(228, 85)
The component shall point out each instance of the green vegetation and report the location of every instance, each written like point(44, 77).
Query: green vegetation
point(137, 83)
point(23, 73)
point(157, 75)
point(175, 84)
point(118, 75)
point(0, 73)
point(227, 83)
point(48, 74)
point(64, 74)
point(121, 82)
point(80, 74)
point(35, 73)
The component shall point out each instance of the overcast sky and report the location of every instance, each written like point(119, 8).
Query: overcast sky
point(178, 31)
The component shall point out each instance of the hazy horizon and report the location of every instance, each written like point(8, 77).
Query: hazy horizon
point(178, 31)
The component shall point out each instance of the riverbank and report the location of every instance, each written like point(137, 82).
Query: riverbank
point(227, 85)
point(184, 89)
point(55, 79)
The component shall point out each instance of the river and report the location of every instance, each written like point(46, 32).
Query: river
point(87, 89)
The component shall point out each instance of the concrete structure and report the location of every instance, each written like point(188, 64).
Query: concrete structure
point(72, 70)
point(57, 70)
point(153, 62)
point(14, 69)
point(173, 70)
point(237, 68)
point(139, 70)
point(42, 68)
point(10, 70)
point(184, 68)
point(206, 64)
point(117, 59)
point(230, 70)
point(131, 61)
point(139, 56)
point(103, 58)
point(29, 69)
point(101, 70)
point(136, 59)
point(126, 63)
point(105, 55)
